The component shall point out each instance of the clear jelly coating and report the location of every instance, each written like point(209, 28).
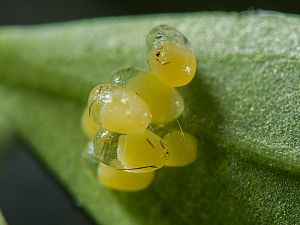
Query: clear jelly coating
point(122, 180)
point(170, 56)
point(165, 103)
point(105, 145)
point(118, 109)
point(90, 158)
point(162, 34)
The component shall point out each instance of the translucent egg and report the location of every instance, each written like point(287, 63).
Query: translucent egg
point(122, 180)
point(118, 109)
point(182, 148)
point(170, 56)
point(164, 102)
point(99, 95)
point(105, 145)
point(145, 151)
point(89, 126)
point(140, 152)
point(91, 159)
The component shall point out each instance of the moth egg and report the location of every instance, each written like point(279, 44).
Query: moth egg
point(89, 126)
point(120, 110)
point(142, 152)
point(170, 56)
point(122, 180)
point(172, 64)
point(98, 96)
point(182, 148)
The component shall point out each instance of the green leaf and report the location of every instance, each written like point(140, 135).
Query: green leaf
point(2, 219)
point(243, 106)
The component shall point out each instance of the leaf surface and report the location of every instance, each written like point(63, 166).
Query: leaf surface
point(243, 106)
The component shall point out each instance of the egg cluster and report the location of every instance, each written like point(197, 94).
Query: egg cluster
point(133, 123)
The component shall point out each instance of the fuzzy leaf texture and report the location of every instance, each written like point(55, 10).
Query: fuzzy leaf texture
point(243, 106)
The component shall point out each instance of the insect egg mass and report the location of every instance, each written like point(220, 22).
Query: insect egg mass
point(134, 121)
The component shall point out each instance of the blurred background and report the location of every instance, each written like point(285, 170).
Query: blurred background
point(28, 193)
point(44, 11)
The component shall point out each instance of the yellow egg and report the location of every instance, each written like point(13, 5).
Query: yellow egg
point(164, 102)
point(182, 148)
point(119, 110)
point(173, 65)
point(98, 96)
point(89, 126)
point(122, 180)
point(142, 152)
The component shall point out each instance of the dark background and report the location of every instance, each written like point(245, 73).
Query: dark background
point(42, 11)
point(28, 193)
